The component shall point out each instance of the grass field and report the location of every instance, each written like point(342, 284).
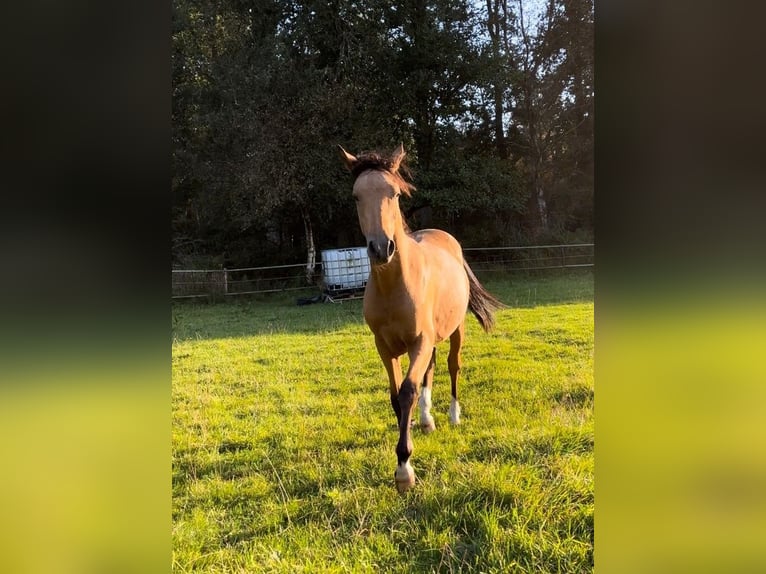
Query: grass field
point(284, 437)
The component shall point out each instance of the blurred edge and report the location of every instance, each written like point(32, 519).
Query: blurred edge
point(84, 334)
point(680, 293)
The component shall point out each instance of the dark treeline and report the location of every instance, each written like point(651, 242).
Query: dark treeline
point(493, 103)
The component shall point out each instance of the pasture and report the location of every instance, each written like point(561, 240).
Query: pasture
point(284, 439)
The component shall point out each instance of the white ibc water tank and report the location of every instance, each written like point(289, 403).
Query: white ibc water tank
point(346, 268)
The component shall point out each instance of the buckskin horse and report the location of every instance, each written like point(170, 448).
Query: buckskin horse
point(417, 295)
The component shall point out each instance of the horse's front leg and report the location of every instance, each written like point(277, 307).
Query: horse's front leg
point(394, 371)
point(420, 357)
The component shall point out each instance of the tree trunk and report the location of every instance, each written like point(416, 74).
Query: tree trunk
point(542, 207)
point(310, 248)
point(536, 216)
point(493, 27)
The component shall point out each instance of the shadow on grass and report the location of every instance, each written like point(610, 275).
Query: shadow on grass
point(279, 313)
point(262, 316)
point(539, 288)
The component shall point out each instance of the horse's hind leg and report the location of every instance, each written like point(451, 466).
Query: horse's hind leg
point(454, 361)
point(426, 420)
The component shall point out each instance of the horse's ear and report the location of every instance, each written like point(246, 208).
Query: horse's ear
point(348, 160)
point(396, 159)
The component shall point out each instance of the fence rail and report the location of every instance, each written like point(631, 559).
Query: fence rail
point(529, 258)
point(220, 283)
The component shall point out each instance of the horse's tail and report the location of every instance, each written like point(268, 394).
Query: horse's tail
point(481, 302)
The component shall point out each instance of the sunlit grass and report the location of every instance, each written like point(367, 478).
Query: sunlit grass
point(283, 441)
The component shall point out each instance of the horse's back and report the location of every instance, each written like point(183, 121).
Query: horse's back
point(441, 240)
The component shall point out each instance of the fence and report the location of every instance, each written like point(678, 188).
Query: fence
point(529, 258)
point(220, 283)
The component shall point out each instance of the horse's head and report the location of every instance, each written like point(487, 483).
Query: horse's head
point(377, 188)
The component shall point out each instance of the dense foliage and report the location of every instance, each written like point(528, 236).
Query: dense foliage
point(493, 101)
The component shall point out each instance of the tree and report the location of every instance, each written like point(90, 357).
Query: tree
point(551, 105)
point(495, 113)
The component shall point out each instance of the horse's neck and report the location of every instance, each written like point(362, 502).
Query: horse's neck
point(396, 274)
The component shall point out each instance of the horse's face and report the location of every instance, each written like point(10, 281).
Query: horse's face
point(377, 205)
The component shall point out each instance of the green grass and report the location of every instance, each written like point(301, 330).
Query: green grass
point(284, 438)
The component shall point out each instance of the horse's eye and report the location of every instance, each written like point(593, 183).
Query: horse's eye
point(356, 197)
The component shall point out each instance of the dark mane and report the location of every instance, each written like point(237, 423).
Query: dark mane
point(372, 160)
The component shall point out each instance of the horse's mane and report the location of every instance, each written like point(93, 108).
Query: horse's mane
point(373, 160)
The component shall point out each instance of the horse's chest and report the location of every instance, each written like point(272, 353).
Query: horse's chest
point(396, 324)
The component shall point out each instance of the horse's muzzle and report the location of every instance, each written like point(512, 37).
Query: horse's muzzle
point(381, 251)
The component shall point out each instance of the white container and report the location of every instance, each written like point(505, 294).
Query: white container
point(346, 268)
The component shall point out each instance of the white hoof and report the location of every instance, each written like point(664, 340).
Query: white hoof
point(454, 412)
point(427, 424)
point(426, 420)
point(405, 477)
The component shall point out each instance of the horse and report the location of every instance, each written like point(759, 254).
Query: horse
point(417, 295)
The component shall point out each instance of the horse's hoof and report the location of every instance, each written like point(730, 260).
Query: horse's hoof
point(405, 477)
point(428, 425)
point(454, 412)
